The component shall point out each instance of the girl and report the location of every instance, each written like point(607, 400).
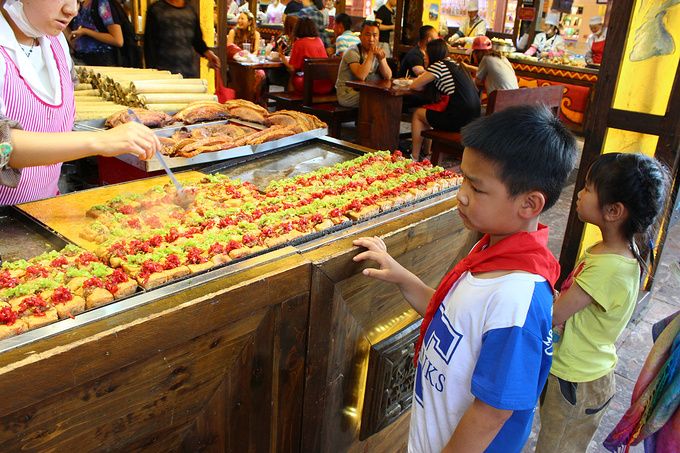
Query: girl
point(493, 70)
point(37, 107)
point(245, 32)
point(623, 195)
point(451, 80)
point(285, 40)
point(307, 45)
point(95, 34)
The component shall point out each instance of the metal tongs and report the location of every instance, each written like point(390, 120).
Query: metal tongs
point(184, 198)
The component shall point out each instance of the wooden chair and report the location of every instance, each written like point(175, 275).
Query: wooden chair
point(325, 107)
point(450, 142)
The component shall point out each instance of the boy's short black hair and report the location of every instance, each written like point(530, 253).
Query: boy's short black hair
point(369, 23)
point(344, 20)
point(423, 31)
point(532, 148)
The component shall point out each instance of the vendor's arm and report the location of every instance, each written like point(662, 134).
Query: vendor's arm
point(421, 82)
point(202, 48)
point(477, 429)
point(40, 148)
point(569, 302)
point(417, 293)
point(113, 38)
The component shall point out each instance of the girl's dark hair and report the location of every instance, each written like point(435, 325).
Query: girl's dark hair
point(638, 182)
point(289, 25)
point(477, 55)
point(318, 3)
point(306, 28)
point(437, 50)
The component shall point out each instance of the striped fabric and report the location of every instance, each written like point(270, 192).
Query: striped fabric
point(443, 78)
point(25, 107)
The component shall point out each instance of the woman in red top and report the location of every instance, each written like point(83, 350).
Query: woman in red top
point(307, 44)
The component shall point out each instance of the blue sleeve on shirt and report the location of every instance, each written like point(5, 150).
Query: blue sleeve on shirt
point(508, 369)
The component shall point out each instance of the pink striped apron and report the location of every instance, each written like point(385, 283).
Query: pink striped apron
point(24, 106)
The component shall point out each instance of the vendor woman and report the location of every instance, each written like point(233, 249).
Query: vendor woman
point(37, 107)
point(550, 41)
point(595, 42)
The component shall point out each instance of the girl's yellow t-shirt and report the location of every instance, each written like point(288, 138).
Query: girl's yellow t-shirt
point(585, 351)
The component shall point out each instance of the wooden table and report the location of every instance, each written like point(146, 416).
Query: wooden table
point(242, 77)
point(379, 113)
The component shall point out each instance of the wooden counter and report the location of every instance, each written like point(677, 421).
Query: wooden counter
point(286, 351)
point(579, 84)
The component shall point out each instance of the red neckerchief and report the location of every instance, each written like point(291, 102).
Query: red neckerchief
point(522, 251)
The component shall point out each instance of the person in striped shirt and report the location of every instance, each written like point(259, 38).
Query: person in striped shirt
point(37, 108)
point(451, 80)
point(344, 36)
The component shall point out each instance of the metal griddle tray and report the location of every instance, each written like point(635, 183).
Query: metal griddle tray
point(246, 150)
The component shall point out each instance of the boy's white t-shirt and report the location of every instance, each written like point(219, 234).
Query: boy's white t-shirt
point(490, 339)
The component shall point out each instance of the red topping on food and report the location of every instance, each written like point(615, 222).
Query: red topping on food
point(177, 215)
point(111, 287)
point(58, 262)
point(171, 261)
point(126, 209)
point(153, 221)
point(134, 223)
point(94, 282)
point(61, 295)
point(7, 316)
point(7, 281)
point(233, 245)
point(118, 276)
point(35, 304)
point(37, 271)
point(249, 240)
point(172, 235)
point(149, 267)
point(136, 246)
point(86, 258)
point(216, 249)
point(335, 212)
point(194, 256)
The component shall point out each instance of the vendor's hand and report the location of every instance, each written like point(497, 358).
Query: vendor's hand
point(132, 138)
point(389, 270)
point(213, 60)
point(80, 31)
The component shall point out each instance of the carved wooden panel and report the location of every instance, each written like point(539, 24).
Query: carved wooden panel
point(390, 379)
point(349, 313)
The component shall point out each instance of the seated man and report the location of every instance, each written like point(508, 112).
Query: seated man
point(344, 36)
point(415, 61)
point(363, 62)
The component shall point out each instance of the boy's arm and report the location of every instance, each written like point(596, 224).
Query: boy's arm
point(417, 293)
point(478, 427)
point(569, 302)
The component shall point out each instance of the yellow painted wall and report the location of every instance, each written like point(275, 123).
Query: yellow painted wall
point(644, 86)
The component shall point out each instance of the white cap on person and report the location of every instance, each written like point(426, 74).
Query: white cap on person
point(552, 18)
point(472, 5)
point(596, 20)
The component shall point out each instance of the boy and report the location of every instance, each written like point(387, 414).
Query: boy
point(344, 36)
point(486, 337)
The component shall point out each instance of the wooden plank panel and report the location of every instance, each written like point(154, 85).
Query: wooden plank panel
point(167, 390)
point(116, 342)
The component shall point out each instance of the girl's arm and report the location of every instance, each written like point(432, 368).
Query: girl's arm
point(38, 148)
point(256, 44)
point(114, 37)
point(569, 302)
point(422, 81)
point(230, 37)
point(417, 293)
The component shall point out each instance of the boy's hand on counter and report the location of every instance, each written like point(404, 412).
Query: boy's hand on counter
point(389, 270)
point(132, 138)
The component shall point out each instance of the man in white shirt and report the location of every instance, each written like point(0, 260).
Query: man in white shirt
point(471, 27)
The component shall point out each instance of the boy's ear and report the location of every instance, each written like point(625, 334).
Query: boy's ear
point(615, 212)
point(532, 204)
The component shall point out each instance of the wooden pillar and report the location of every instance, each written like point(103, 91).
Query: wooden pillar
point(636, 108)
